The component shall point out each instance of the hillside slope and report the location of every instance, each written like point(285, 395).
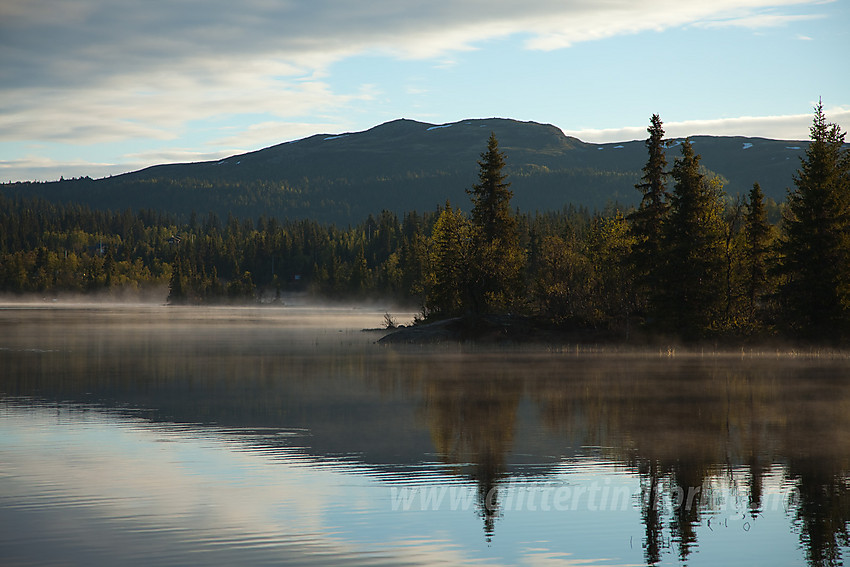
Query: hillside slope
point(407, 165)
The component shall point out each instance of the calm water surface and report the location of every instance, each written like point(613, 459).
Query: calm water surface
point(147, 435)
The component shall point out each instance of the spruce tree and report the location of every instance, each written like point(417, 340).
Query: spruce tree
point(491, 196)
point(757, 235)
point(498, 260)
point(690, 295)
point(648, 220)
point(816, 241)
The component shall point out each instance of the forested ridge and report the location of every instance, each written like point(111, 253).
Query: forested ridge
point(688, 261)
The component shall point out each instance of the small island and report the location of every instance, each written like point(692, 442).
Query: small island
point(689, 264)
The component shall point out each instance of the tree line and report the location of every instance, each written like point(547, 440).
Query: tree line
point(688, 261)
point(707, 265)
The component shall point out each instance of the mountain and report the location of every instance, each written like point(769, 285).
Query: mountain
point(407, 165)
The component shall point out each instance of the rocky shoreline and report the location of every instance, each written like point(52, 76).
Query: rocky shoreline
point(492, 329)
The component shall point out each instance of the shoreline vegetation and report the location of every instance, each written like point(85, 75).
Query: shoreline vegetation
point(690, 265)
point(486, 333)
point(508, 332)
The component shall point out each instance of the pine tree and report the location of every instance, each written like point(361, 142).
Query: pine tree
point(498, 259)
point(690, 295)
point(816, 242)
point(648, 220)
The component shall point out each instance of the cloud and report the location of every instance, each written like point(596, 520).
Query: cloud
point(786, 127)
point(757, 21)
point(588, 23)
point(92, 72)
point(39, 168)
point(256, 136)
point(107, 69)
point(263, 134)
point(160, 109)
point(55, 42)
point(175, 155)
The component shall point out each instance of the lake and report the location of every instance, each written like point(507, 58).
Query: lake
point(152, 435)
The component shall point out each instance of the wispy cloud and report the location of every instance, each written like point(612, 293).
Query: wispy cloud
point(39, 168)
point(96, 70)
point(756, 21)
point(586, 22)
point(160, 110)
point(786, 127)
point(175, 155)
point(266, 133)
point(106, 71)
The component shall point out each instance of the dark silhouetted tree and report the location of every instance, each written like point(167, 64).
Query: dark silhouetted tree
point(176, 290)
point(757, 234)
point(648, 220)
point(491, 196)
point(690, 295)
point(498, 260)
point(816, 243)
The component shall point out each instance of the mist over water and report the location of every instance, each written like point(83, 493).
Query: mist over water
point(145, 434)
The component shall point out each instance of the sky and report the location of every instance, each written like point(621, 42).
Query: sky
point(100, 87)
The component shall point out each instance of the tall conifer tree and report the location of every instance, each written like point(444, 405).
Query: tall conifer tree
point(757, 234)
point(498, 260)
point(648, 220)
point(491, 197)
point(690, 294)
point(816, 242)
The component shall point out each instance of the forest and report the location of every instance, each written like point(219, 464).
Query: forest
point(689, 261)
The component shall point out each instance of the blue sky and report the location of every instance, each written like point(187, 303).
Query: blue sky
point(99, 87)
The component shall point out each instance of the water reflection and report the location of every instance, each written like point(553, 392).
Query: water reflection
point(703, 420)
point(472, 421)
point(639, 457)
point(682, 426)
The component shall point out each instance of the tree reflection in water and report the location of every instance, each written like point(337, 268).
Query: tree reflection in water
point(472, 422)
point(700, 421)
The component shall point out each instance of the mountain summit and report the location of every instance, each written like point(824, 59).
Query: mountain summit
point(408, 165)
